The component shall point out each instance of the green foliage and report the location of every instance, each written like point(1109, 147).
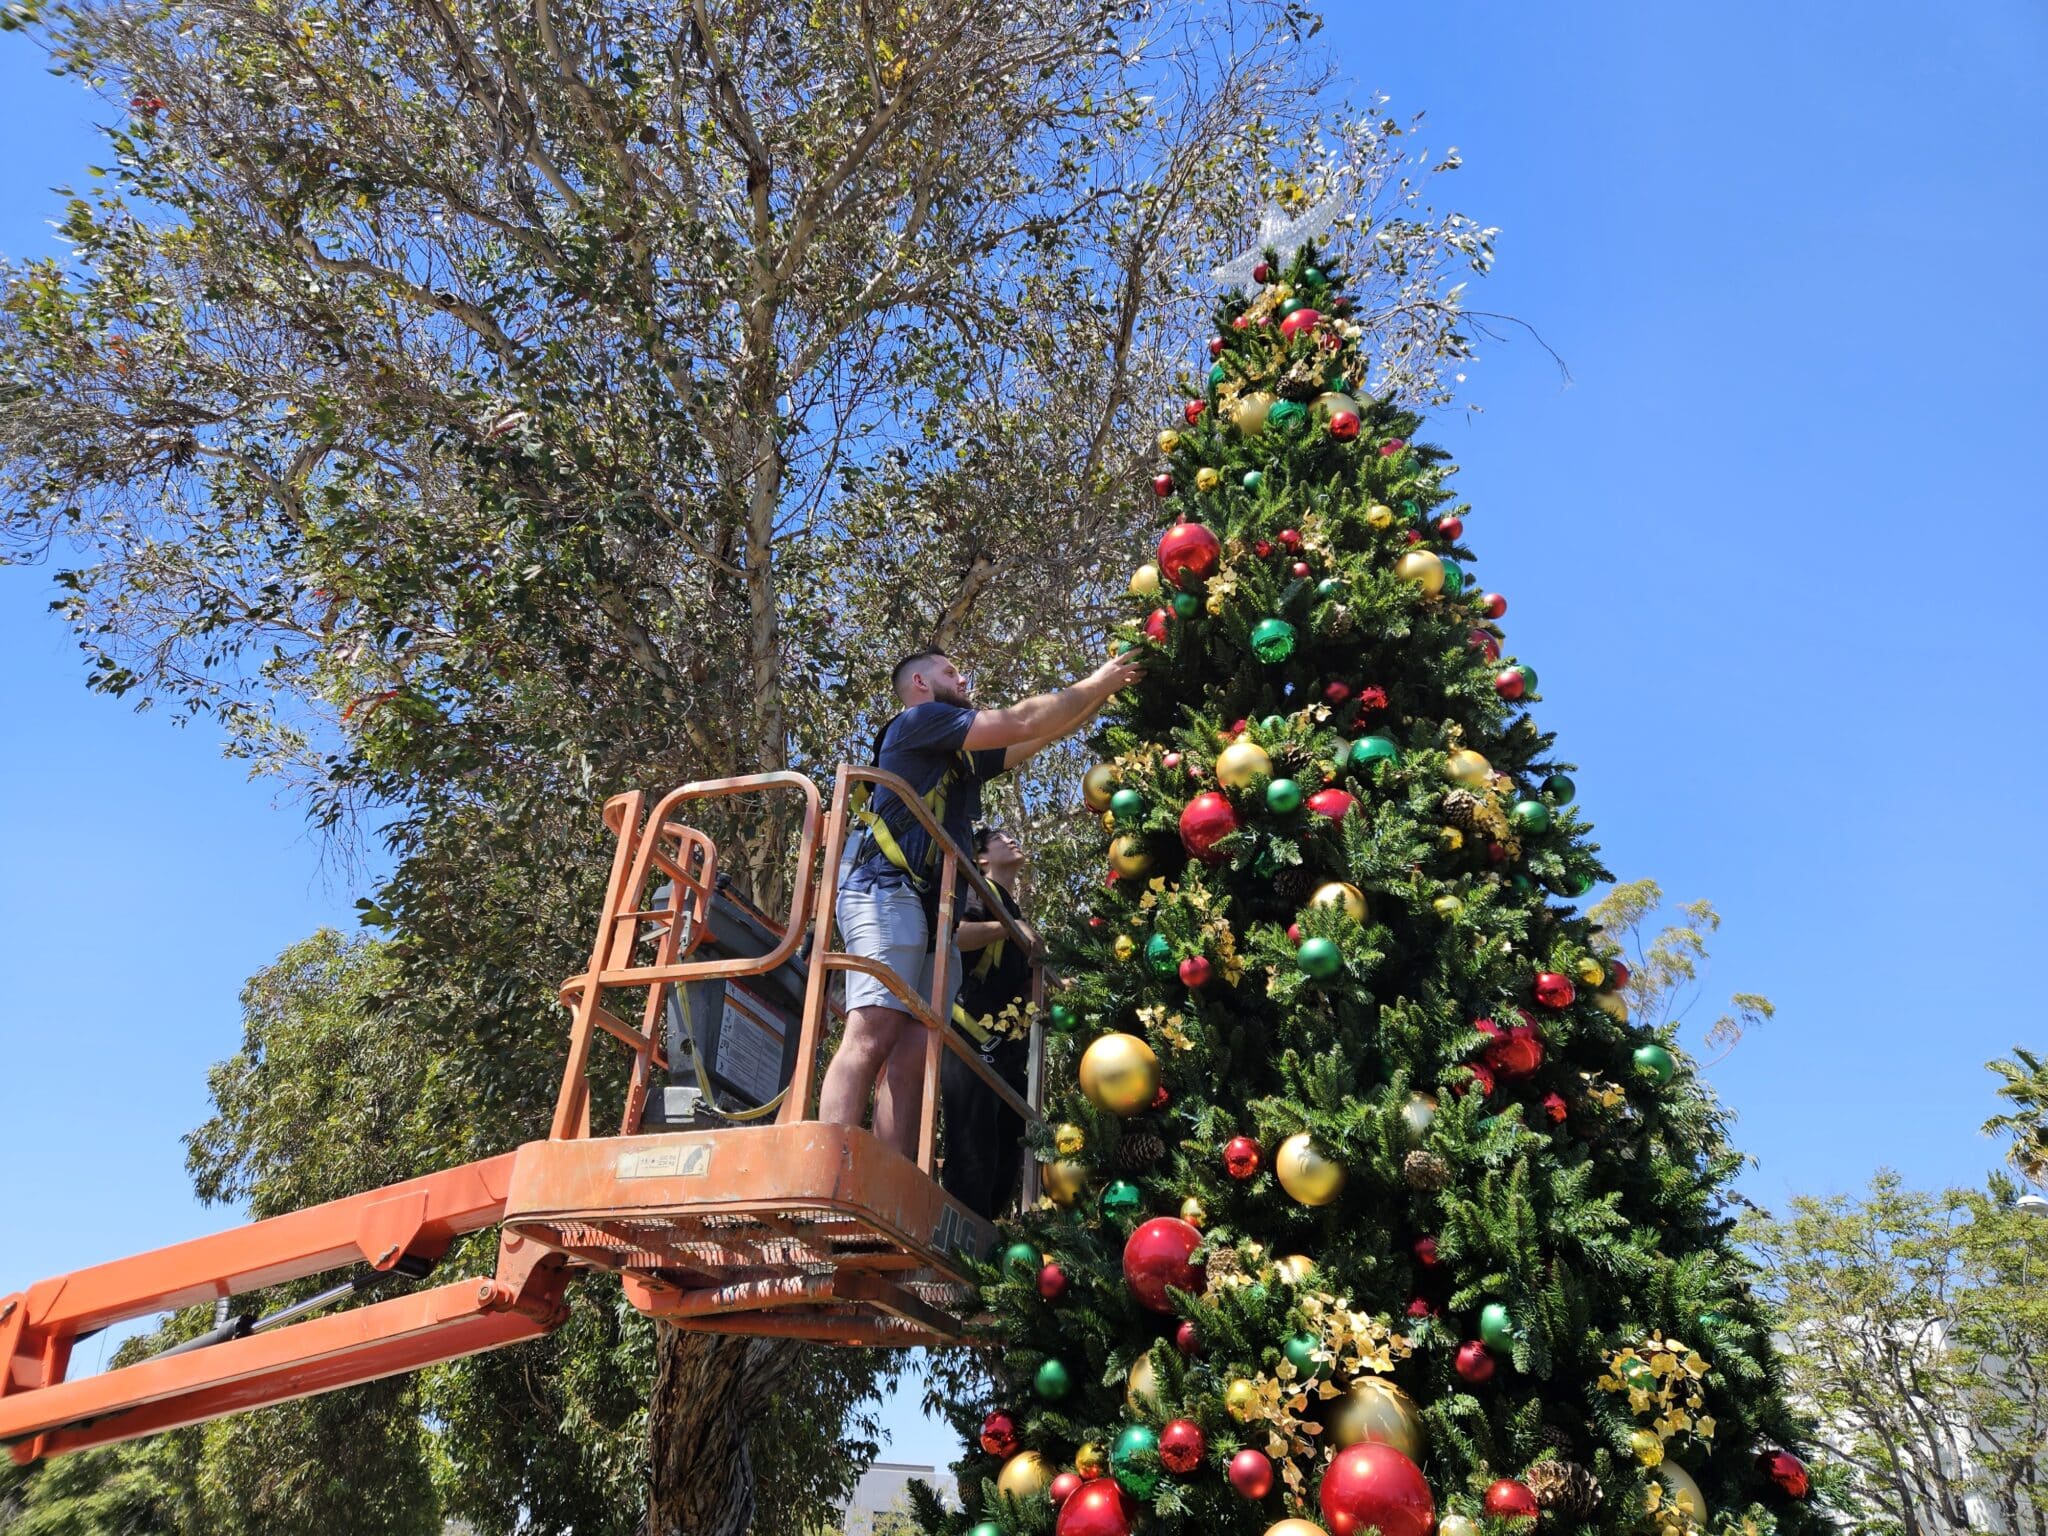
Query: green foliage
point(2025, 1088)
point(1919, 1339)
point(1585, 1197)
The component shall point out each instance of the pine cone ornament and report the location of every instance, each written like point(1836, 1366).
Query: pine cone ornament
point(1425, 1170)
point(1138, 1151)
point(1341, 622)
point(1303, 380)
point(1558, 1438)
point(1564, 1486)
point(1292, 883)
point(1461, 810)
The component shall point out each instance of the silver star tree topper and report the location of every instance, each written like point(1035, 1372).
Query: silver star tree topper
point(1283, 235)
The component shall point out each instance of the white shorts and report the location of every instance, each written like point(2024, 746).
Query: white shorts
point(888, 924)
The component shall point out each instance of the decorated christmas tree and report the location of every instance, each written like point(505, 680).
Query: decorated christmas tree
point(1368, 1206)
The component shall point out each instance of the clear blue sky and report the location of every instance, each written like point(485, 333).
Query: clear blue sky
point(1770, 552)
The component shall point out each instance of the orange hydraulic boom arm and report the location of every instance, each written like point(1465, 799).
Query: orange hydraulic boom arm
point(795, 1228)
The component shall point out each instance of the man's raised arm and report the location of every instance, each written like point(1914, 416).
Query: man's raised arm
point(1048, 716)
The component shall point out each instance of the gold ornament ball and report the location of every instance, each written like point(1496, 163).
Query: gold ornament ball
point(1098, 784)
point(1457, 1525)
point(1613, 1004)
point(1332, 401)
point(1119, 1073)
point(1141, 1388)
point(1145, 581)
point(1305, 1173)
point(1025, 1475)
point(1647, 1447)
point(1349, 898)
point(1169, 440)
point(1238, 764)
point(1422, 569)
point(1091, 1461)
point(1206, 479)
point(1193, 1212)
point(1590, 971)
point(1124, 947)
point(1295, 1266)
point(1249, 414)
point(1068, 1138)
point(1241, 1399)
point(1683, 1494)
point(1417, 1115)
point(1447, 906)
point(1295, 1527)
point(1127, 856)
point(1064, 1181)
point(1109, 821)
point(1379, 515)
point(1468, 769)
point(1378, 1411)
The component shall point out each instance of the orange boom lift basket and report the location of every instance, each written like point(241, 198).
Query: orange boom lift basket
point(793, 1228)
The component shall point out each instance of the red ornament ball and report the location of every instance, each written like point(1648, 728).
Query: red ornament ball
point(1215, 346)
point(1511, 1500)
point(1052, 1282)
point(1412, 536)
point(1299, 570)
point(1617, 975)
point(1171, 760)
point(1450, 527)
point(1425, 1252)
point(1181, 1446)
point(1187, 1338)
point(1188, 552)
point(1369, 1484)
point(1787, 1472)
point(1262, 548)
point(1554, 990)
point(1094, 921)
point(1512, 1053)
point(1262, 273)
point(1494, 605)
point(1294, 934)
point(1392, 446)
point(1207, 820)
point(1251, 1474)
point(1474, 1363)
point(1240, 322)
point(999, 1435)
point(1064, 1487)
point(1157, 623)
point(1481, 1080)
point(1096, 1508)
point(1333, 802)
point(1336, 690)
point(1300, 323)
point(1157, 1259)
point(1484, 643)
point(1162, 486)
point(1511, 683)
point(1344, 425)
point(1192, 411)
point(1195, 971)
point(1290, 538)
point(1241, 1157)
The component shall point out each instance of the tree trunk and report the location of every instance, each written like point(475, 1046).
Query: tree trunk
point(707, 1389)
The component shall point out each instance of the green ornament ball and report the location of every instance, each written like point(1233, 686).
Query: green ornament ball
point(1289, 305)
point(1119, 1198)
point(1061, 1018)
point(1053, 1381)
point(1522, 884)
point(1711, 1319)
point(1134, 1460)
point(1496, 1328)
point(1368, 750)
point(1454, 579)
point(1286, 411)
point(1272, 640)
point(1253, 479)
point(1319, 957)
point(1410, 511)
point(1576, 886)
point(1283, 795)
point(1159, 955)
point(1656, 1063)
point(1559, 787)
point(986, 1528)
point(1329, 587)
point(1530, 816)
point(1274, 725)
point(1300, 1351)
point(1186, 605)
point(1127, 805)
point(1528, 680)
point(1217, 375)
point(1020, 1259)
point(1310, 276)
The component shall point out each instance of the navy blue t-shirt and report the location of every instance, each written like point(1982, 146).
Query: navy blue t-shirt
point(919, 746)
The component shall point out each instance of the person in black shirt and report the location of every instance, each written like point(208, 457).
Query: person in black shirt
point(984, 1141)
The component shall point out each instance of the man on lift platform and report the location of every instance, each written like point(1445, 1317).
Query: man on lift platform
point(945, 749)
